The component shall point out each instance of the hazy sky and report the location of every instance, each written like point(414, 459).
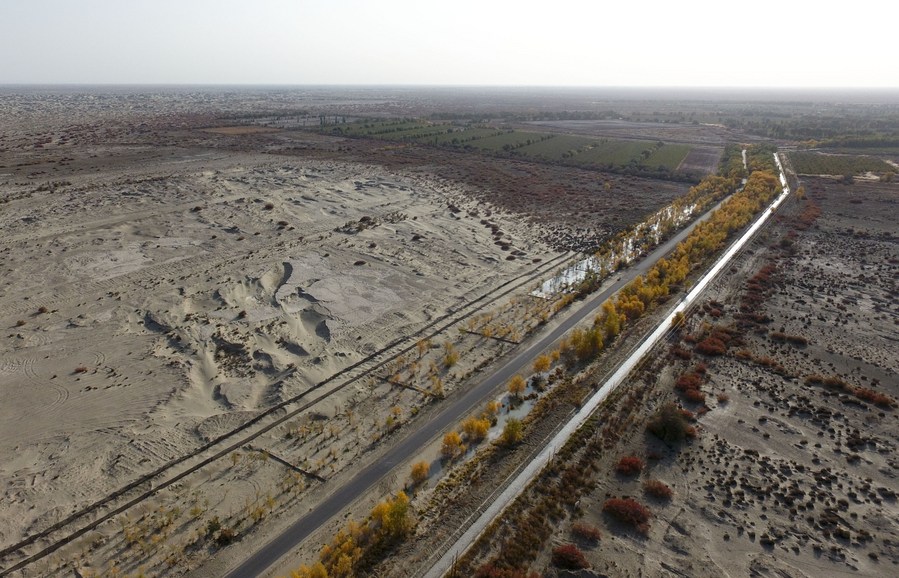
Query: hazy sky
point(523, 42)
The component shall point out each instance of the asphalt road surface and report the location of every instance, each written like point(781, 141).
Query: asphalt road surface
point(455, 409)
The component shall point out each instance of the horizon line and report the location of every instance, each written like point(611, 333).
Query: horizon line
point(448, 85)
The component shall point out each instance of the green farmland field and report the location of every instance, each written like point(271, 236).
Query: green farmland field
point(557, 148)
point(809, 163)
point(655, 158)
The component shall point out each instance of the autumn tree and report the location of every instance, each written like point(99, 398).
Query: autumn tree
point(491, 410)
point(452, 446)
point(391, 518)
point(513, 432)
point(611, 321)
point(542, 363)
point(450, 355)
point(420, 471)
point(516, 386)
point(475, 429)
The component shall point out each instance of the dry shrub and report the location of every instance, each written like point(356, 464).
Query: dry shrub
point(694, 395)
point(586, 532)
point(688, 381)
point(81, 369)
point(875, 397)
point(491, 570)
point(658, 489)
point(671, 424)
point(681, 353)
point(569, 557)
point(711, 346)
point(630, 512)
point(629, 466)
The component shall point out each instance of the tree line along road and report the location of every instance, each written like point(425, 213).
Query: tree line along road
point(422, 434)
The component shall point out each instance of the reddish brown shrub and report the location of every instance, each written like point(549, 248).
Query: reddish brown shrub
point(629, 466)
point(490, 570)
point(81, 369)
point(694, 395)
point(658, 489)
point(688, 381)
point(628, 511)
point(875, 397)
point(711, 346)
point(569, 557)
point(586, 532)
point(681, 352)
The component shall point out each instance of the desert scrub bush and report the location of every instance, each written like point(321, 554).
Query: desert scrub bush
point(658, 489)
point(711, 346)
point(681, 353)
point(569, 557)
point(81, 369)
point(586, 531)
point(670, 424)
point(629, 466)
point(629, 512)
point(225, 536)
point(694, 395)
point(875, 397)
point(491, 570)
point(688, 381)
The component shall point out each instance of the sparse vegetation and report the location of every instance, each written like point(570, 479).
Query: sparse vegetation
point(658, 489)
point(629, 512)
point(569, 557)
point(671, 424)
point(586, 532)
point(629, 466)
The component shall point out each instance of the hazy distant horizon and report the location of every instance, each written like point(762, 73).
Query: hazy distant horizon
point(669, 93)
point(331, 43)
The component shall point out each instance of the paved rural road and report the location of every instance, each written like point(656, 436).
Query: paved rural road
point(498, 505)
point(423, 433)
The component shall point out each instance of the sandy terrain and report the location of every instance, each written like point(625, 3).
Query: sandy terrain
point(146, 314)
point(166, 280)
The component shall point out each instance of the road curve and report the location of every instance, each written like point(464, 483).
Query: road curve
point(451, 413)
